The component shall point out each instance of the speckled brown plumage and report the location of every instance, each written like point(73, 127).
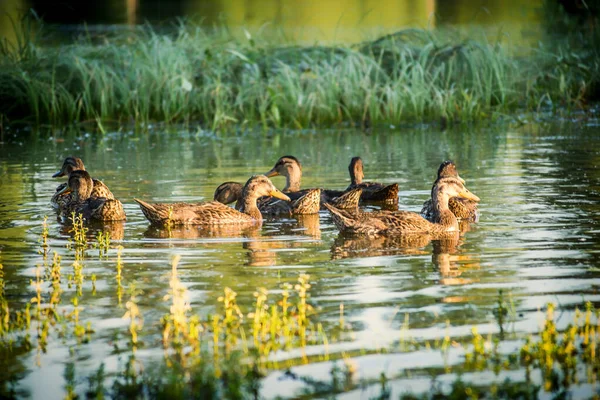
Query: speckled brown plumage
point(308, 203)
point(398, 222)
point(463, 209)
point(372, 191)
point(213, 213)
point(349, 199)
point(80, 186)
point(62, 201)
point(303, 202)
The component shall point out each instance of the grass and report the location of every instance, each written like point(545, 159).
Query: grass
point(193, 75)
point(226, 354)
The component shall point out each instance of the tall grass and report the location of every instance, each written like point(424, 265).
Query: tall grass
point(216, 79)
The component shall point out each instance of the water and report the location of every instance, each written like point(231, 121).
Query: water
point(537, 239)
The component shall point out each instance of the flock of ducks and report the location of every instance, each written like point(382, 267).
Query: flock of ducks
point(450, 201)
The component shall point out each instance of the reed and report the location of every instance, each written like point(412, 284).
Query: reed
point(192, 75)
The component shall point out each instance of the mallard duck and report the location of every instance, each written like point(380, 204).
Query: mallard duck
point(463, 209)
point(308, 203)
point(75, 164)
point(81, 186)
point(403, 222)
point(372, 191)
point(228, 192)
point(214, 213)
point(349, 199)
point(291, 169)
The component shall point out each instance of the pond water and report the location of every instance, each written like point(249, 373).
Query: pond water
point(537, 239)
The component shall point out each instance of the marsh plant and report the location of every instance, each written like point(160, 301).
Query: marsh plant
point(102, 243)
point(216, 79)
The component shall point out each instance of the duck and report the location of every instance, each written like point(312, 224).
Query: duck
point(290, 167)
point(213, 212)
point(71, 163)
point(308, 203)
point(228, 192)
point(405, 222)
point(463, 209)
point(303, 201)
point(80, 189)
point(372, 191)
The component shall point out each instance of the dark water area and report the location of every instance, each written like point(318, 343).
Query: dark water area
point(306, 22)
point(537, 239)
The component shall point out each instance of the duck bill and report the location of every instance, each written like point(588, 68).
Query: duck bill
point(271, 173)
point(276, 193)
point(460, 179)
point(466, 194)
point(64, 190)
point(59, 173)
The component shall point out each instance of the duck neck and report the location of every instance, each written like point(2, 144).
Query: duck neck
point(444, 217)
point(249, 206)
point(82, 193)
point(356, 175)
point(292, 179)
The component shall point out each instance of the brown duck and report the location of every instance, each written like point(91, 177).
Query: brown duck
point(463, 209)
point(75, 164)
point(214, 213)
point(404, 222)
point(291, 169)
point(308, 203)
point(80, 186)
point(372, 191)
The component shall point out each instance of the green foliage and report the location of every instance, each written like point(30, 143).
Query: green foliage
point(192, 75)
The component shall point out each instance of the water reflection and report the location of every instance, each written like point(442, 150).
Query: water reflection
point(115, 229)
point(203, 231)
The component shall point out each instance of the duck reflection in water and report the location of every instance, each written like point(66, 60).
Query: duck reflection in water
point(352, 246)
point(262, 250)
point(115, 229)
point(201, 231)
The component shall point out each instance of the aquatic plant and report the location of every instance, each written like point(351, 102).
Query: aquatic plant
point(103, 243)
point(136, 322)
point(193, 75)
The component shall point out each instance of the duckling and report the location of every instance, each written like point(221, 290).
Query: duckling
point(404, 222)
point(463, 209)
point(81, 187)
point(214, 213)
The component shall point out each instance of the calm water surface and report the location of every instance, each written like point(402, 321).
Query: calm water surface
point(537, 238)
